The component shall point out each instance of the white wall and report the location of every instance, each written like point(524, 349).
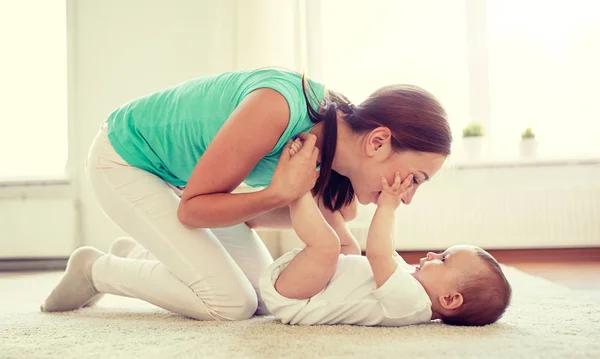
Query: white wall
point(125, 49)
point(268, 34)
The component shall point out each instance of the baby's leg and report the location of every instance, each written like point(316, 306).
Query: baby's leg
point(311, 269)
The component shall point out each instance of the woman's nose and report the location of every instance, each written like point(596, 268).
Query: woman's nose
point(430, 256)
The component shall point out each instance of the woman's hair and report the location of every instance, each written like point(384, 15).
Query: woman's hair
point(486, 295)
point(416, 119)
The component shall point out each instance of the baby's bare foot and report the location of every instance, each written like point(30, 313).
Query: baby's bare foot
point(296, 146)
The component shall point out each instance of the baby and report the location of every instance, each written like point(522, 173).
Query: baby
point(464, 285)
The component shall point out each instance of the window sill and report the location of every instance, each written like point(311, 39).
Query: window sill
point(35, 181)
point(460, 164)
point(464, 164)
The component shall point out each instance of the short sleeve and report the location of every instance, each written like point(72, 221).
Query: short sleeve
point(402, 263)
point(402, 296)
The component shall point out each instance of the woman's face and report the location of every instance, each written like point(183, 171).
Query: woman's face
point(380, 160)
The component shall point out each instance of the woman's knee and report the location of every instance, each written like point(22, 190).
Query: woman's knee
point(240, 305)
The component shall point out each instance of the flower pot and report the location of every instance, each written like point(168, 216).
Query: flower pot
point(528, 147)
point(473, 147)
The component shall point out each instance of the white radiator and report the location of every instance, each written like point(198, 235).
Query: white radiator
point(498, 208)
point(37, 228)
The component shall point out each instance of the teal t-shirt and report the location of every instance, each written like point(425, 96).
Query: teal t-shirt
point(165, 133)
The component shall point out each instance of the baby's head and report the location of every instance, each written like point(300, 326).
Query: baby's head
point(466, 285)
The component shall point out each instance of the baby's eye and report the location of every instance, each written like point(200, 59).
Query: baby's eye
point(415, 180)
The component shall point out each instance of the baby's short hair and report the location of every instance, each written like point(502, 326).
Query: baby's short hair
point(486, 295)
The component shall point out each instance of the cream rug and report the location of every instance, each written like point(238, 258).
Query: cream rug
point(545, 321)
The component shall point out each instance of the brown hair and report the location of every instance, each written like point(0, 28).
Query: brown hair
point(486, 296)
point(416, 119)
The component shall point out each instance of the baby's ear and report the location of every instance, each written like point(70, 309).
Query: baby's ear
point(451, 301)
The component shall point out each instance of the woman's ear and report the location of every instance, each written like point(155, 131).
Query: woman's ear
point(378, 142)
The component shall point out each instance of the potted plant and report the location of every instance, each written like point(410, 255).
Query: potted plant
point(528, 146)
point(473, 140)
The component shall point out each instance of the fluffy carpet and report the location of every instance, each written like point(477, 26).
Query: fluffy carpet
point(545, 321)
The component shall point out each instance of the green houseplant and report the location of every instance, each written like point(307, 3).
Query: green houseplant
point(528, 145)
point(473, 130)
point(473, 140)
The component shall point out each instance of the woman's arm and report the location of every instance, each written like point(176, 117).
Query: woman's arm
point(249, 134)
point(280, 218)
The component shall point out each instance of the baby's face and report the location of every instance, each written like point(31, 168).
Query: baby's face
point(442, 272)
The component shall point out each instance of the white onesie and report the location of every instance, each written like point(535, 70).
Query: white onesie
point(351, 297)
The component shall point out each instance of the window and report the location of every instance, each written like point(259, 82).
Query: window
point(544, 73)
point(367, 45)
point(537, 59)
point(33, 89)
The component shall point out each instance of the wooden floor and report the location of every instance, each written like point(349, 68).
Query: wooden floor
point(577, 268)
point(575, 275)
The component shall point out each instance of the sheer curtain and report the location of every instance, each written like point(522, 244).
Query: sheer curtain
point(545, 74)
point(370, 44)
point(33, 88)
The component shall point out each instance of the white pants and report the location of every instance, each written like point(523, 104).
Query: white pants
point(206, 274)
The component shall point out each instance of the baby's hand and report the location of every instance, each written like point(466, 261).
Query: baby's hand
point(296, 146)
point(392, 195)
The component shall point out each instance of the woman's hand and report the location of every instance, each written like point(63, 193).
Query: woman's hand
point(391, 196)
point(296, 175)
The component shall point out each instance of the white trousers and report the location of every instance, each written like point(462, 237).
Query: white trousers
point(206, 274)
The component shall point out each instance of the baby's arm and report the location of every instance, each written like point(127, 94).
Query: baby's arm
point(311, 269)
point(380, 240)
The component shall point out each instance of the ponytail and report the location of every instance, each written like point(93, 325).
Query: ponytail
point(335, 190)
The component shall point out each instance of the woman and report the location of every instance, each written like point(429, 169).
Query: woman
point(211, 134)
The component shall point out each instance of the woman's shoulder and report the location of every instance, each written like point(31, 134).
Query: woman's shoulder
point(284, 75)
point(274, 72)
